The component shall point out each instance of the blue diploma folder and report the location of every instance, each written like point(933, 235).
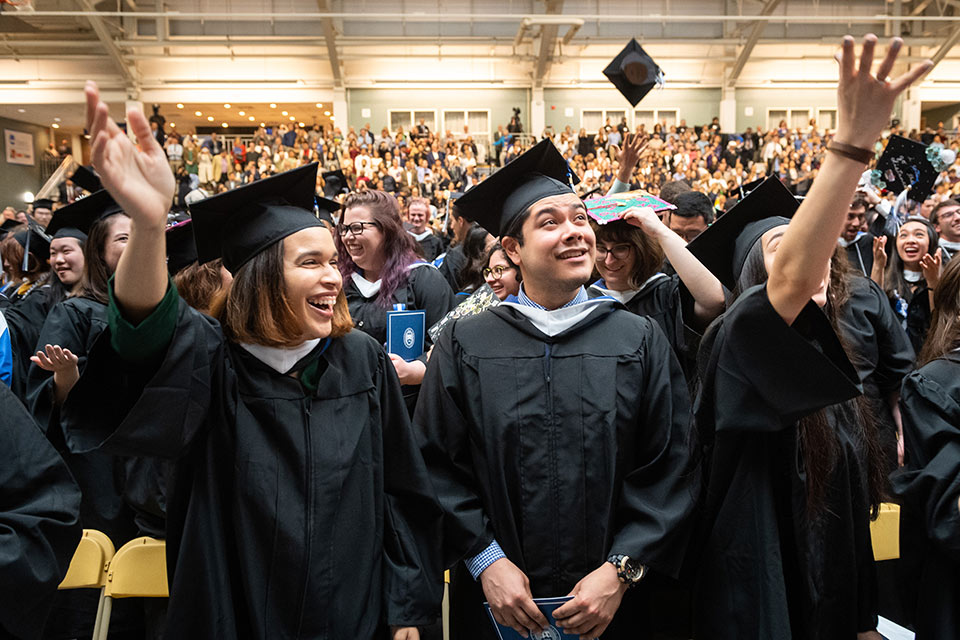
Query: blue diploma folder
point(547, 606)
point(405, 330)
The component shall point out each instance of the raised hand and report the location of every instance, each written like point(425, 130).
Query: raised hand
point(864, 99)
point(634, 146)
point(139, 180)
point(931, 266)
point(647, 219)
point(879, 259)
point(63, 363)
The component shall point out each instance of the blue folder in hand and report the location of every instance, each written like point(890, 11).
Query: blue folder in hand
point(547, 606)
point(405, 330)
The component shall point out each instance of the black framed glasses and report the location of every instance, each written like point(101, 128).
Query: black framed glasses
point(497, 271)
point(355, 228)
point(619, 251)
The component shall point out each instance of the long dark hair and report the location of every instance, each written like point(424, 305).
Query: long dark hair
point(893, 280)
point(649, 254)
point(399, 247)
point(944, 334)
point(475, 251)
point(96, 273)
point(818, 442)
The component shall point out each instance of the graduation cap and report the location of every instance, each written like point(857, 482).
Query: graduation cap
point(35, 241)
point(538, 173)
point(634, 73)
point(239, 224)
point(181, 246)
point(75, 220)
point(325, 209)
point(9, 224)
point(906, 163)
point(724, 246)
point(42, 203)
point(86, 179)
point(334, 183)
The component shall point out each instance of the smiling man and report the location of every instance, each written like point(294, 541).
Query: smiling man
point(418, 214)
point(946, 219)
point(555, 430)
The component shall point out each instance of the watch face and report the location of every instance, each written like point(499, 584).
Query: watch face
point(632, 570)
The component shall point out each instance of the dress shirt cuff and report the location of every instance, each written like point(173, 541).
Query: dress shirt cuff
point(487, 557)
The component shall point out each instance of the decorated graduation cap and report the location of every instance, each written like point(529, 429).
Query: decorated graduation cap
point(181, 246)
point(908, 163)
point(86, 179)
point(723, 248)
point(75, 220)
point(496, 202)
point(239, 224)
point(634, 73)
point(35, 241)
point(334, 183)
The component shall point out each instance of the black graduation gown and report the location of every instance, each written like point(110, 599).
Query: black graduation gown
point(75, 324)
point(453, 263)
point(763, 569)
point(860, 253)
point(291, 514)
point(432, 246)
point(879, 350)
point(666, 301)
point(928, 487)
point(25, 321)
point(39, 521)
point(565, 449)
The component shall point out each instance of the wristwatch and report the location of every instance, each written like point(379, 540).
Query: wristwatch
point(629, 572)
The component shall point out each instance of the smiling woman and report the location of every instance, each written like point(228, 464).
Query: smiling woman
point(279, 420)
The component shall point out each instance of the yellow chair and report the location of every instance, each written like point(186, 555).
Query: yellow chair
point(89, 565)
point(885, 533)
point(138, 570)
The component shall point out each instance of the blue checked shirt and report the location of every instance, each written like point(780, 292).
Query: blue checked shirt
point(493, 552)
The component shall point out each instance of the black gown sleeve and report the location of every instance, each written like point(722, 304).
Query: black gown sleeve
point(930, 481)
point(154, 406)
point(39, 521)
point(413, 574)
point(660, 493)
point(897, 356)
point(444, 435)
point(768, 375)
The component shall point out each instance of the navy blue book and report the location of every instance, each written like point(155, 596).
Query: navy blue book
point(405, 331)
point(547, 606)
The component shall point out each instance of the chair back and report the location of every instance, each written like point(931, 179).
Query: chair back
point(139, 570)
point(88, 567)
point(885, 533)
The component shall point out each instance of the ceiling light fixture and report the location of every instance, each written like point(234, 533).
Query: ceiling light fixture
point(226, 105)
point(198, 113)
point(273, 106)
point(326, 113)
point(250, 118)
point(292, 118)
point(224, 125)
point(242, 113)
point(284, 113)
point(210, 118)
point(179, 105)
point(55, 125)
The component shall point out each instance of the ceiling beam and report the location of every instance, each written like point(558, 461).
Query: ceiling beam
point(951, 41)
point(99, 26)
point(755, 32)
point(548, 41)
point(330, 37)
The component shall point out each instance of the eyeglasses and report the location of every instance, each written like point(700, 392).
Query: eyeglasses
point(620, 252)
point(355, 228)
point(497, 272)
point(947, 214)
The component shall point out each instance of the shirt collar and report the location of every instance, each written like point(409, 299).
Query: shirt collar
point(580, 298)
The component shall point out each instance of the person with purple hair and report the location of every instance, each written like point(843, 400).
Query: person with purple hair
point(381, 270)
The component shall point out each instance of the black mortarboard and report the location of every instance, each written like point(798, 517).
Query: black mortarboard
point(745, 189)
point(334, 183)
point(634, 73)
point(86, 179)
point(42, 203)
point(181, 247)
point(724, 246)
point(9, 224)
point(75, 220)
point(904, 163)
point(35, 241)
point(538, 173)
point(239, 224)
point(326, 208)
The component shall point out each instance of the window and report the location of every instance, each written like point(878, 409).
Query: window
point(409, 118)
point(477, 121)
point(650, 117)
point(826, 119)
point(591, 120)
point(795, 117)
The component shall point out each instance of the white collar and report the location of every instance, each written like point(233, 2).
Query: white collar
point(420, 236)
point(912, 276)
point(952, 246)
point(844, 243)
point(623, 297)
point(558, 320)
point(369, 289)
point(281, 359)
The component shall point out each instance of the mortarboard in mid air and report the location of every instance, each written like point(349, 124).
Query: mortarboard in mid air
point(239, 224)
point(723, 248)
point(634, 73)
point(907, 163)
point(538, 173)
